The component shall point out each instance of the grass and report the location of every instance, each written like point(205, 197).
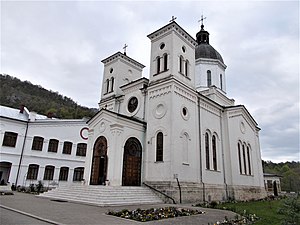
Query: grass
point(267, 211)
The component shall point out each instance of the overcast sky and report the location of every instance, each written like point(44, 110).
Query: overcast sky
point(60, 44)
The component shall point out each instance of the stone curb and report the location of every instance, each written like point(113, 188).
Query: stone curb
point(30, 215)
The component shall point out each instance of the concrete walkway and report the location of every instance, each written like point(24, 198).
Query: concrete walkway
point(53, 212)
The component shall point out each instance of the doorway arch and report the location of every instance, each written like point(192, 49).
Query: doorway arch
point(99, 162)
point(132, 162)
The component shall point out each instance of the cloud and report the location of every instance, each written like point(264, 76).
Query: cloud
point(60, 45)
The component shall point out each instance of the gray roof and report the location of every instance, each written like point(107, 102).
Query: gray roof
point(15, 113)
point(204, 50)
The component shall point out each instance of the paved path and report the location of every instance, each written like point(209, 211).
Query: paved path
point(52, 212)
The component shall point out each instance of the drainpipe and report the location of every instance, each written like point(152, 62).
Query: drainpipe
point(223, 158)
point(201, 177)
point(22, 153)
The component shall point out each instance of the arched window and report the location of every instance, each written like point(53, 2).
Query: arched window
point(67, 148)
point(159, 147)
point(249, 160)
point(78, 174)
point(37, 143)
point(158, 64)
point(32, 172)
point(244, 159)
point(107, 85)
point(165, 62)
point(207, 151)
point(49, 172)
point(112, 81)
point(53, 145)
point(208, 78)
point(63, 173)
point(221, 81)
point(240, 160)
point(181, 64)
point(186, 72)
point(214, 148)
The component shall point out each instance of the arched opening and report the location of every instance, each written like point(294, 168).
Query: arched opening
point(132, 162)
point(99, 162)
point(5, 168)
point(208, 78)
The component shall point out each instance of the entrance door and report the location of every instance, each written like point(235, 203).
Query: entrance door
point(99, 163)
point(132, 161)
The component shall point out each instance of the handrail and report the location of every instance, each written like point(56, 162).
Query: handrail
point(154, 189)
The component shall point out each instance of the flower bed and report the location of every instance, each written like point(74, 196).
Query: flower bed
point(144, 215)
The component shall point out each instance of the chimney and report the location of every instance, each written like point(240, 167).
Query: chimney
point(22, 108)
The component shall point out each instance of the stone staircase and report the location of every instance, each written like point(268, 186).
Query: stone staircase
point(103, 195)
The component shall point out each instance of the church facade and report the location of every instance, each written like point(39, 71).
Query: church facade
point(176, 128)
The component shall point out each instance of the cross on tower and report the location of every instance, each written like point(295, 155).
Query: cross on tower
point(125, 46)
point(202, 19)
point(173, 19)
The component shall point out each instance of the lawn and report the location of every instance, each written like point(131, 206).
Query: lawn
point(266, 210)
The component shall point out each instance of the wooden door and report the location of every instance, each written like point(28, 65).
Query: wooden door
point(132, 161)
point(99, 162)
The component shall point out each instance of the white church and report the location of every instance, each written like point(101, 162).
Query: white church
point(176, 128)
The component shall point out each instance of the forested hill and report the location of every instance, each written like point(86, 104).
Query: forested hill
point(14, 93)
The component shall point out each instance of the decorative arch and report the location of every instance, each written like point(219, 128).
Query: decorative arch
point(99, 162)
point(132, 162)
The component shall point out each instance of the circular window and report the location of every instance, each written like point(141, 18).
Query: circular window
point(162, 45)
point(111, 70)
point(185, 113)
point(183, 49)
point(132, 104)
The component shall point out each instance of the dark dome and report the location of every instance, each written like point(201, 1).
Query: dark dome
point(204, 50)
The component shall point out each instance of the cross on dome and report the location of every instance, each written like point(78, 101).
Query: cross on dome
point(201, 20)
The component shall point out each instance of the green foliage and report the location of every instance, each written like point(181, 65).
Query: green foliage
point(290, 209)
point(290, 172)
point(15, 93)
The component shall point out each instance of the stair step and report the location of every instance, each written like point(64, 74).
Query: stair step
point(103, 195)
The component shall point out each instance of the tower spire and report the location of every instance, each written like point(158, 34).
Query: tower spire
point(202, 36)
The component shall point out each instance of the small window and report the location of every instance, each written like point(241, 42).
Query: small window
point(158, 64)
point(214, 148)
point(32, 172)
point(221, 81)
point(49, 173)
point(81, 149)
point(78, 174)
point(208, 78)
point(37, 143)
point(162, 45)
point(180, 64)
point(112, 80)
point(63, 173)
point(207, 151)
point(67, 149)
point(10, 139)
point(53, 145)
point(165, 62)
point(186, 68)
point(159, 147)
point(111, 70)
point(240, 159)
point(249, 160)
point(183, 49)
point(107, 85)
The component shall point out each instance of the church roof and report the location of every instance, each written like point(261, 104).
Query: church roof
point(204, 49)
point(123, 56)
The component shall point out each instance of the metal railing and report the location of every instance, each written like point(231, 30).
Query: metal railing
point(154, 189)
